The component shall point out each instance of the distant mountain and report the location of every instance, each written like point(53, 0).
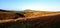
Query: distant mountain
point(29, 10)
point(1, 10)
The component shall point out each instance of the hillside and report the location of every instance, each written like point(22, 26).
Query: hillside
point(32, 13)
point(52, 21)
point(30, 19)
point(5, 14)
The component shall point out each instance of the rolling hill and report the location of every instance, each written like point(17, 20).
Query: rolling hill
point(32, 19)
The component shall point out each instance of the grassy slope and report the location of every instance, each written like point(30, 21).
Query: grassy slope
point(40, 22)
point(45, 22)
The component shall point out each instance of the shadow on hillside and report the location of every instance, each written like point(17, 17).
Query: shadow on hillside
point(9, 15)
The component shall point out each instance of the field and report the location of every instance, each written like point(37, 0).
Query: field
point(35, 19)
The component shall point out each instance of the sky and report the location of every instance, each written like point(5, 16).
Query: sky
point(40, 5)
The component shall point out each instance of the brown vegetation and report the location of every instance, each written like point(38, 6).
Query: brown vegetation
point(39, 22)
point(7, 15)
point(47, 21)
point(35, 19)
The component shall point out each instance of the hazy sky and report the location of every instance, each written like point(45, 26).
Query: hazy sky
point(45, 5)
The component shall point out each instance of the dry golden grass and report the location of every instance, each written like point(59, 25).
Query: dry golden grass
point(28, 15)
point(33, 19)
point(7, 15)
point(40, 14)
